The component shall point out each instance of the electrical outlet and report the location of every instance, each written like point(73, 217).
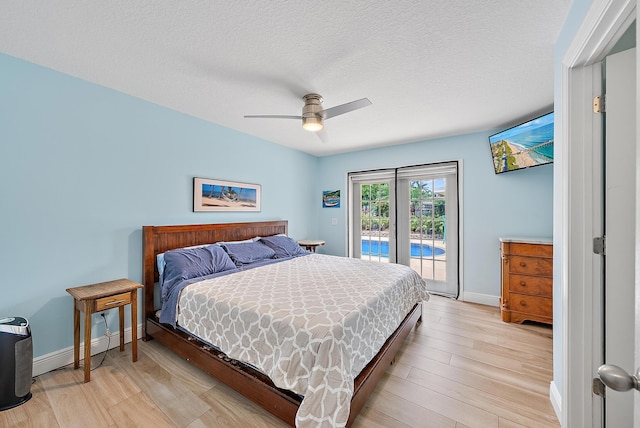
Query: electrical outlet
point(107, 333)
point(334, 221)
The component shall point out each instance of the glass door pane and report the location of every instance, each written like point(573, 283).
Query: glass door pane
point(428, 255)
point(375, 221)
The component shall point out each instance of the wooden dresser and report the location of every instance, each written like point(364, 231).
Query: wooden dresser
point(527, 280)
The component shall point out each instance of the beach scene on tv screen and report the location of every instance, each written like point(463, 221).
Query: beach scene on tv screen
point(523, 146)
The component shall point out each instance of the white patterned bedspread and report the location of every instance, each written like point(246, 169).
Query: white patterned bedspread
point(311, 323)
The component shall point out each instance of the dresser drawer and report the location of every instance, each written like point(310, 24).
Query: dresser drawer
point(542, 306)
point(531, 265)
point(534, 285)
point(113, 301)
point(537, 250)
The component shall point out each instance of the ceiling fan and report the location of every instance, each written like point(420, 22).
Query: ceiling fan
point(313, 115)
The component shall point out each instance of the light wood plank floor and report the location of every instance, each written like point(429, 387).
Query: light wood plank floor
point(463, 367)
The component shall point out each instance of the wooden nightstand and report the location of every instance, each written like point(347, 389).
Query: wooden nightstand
point(311, 244)
point(96, 298)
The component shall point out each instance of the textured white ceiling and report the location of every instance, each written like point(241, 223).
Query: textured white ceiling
point(431, 68)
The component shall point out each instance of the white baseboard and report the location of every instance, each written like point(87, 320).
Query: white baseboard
point(556, 399)
point(482, 299)
point(54, 360)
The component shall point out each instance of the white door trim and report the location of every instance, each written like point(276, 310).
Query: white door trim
point(578, 194)
point(580, 223)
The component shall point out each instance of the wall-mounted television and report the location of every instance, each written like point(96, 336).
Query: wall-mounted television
point(523, 146)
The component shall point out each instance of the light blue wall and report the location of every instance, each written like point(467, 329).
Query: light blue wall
point(517, 203)
point(574, 19)
point(83, 168)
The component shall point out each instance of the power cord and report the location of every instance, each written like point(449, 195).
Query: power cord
point(108, 334)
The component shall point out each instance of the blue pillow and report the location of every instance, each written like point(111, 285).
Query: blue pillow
point(283, 246)
point(161, 263)
point(248, 252)
point(187, 263)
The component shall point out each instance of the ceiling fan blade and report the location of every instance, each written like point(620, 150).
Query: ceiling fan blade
point(272, 116)
point(344, 108)
point(322, 135)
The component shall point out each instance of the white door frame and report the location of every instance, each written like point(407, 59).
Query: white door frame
point(578, 216)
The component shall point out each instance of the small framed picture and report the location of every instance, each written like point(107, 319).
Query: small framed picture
point(331, 199)
point(218, 195)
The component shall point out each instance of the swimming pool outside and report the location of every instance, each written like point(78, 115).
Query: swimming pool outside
point(381, 248)
point(430, 267)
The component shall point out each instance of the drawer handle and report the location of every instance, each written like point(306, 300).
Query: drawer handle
point(115, 302)
point(523, 264)
point(523, 303)
point(523, 284)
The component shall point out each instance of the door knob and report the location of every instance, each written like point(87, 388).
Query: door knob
point(617, 378)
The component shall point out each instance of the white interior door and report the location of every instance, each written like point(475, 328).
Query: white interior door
point(622, 232)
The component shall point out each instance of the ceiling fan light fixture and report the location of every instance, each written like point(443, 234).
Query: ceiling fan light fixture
point(313, 115)
point(312, 124)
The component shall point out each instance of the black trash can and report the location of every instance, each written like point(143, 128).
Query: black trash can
point(16, 362)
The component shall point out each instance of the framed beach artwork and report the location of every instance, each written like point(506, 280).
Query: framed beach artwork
point(331, 199)
point(218, 195)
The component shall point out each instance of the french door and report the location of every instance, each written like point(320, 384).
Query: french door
point(408, 215)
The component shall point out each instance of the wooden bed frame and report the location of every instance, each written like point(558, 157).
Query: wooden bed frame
point(254, 385)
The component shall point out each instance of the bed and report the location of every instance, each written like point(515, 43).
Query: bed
point(315, 396)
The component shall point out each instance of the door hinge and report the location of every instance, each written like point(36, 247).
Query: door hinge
point(599, 104)
point(599, 245)
point(597, 387)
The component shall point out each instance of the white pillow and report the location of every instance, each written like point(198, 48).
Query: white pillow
point(244, 241)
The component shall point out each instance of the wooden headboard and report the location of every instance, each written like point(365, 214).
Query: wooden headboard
point(158, 239)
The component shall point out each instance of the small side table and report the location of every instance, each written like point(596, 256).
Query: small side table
point(97, 298)
point(311, 244)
